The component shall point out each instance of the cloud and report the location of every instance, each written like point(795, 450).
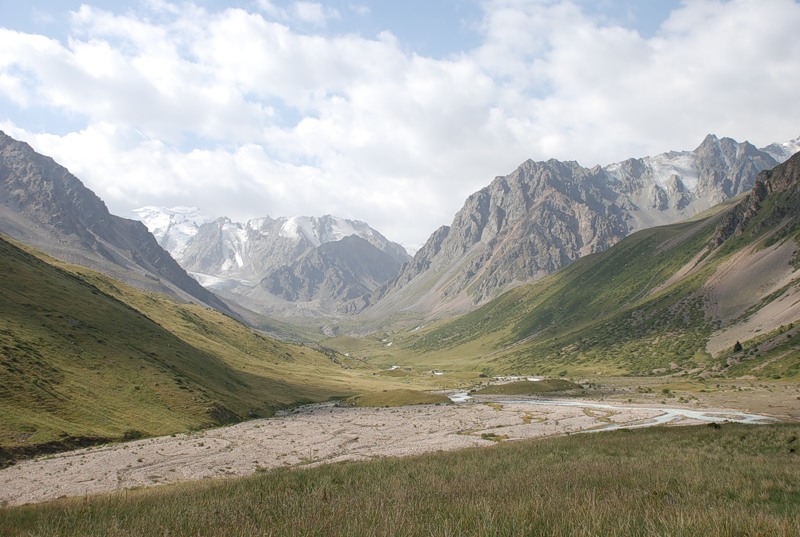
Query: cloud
point(244, 115)
point(313, 14)
point(597, 92)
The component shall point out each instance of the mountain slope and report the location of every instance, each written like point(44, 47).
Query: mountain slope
point(333, 272)
point(673, 298)
point(84, 358)
point(545, 215)
point(44, 205)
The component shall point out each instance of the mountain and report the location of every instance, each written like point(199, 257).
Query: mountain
point(782, 151)
point(44, 205)
point(719, 294)
point(173, 228)
point(333, 272)
point(282, 264)
point(545, 215)
point(86, 359)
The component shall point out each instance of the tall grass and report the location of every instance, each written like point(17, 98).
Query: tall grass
point(733, 480)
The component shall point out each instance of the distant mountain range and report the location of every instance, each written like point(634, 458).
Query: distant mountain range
point(286, 265)
point(521, 227)
point(545, 215)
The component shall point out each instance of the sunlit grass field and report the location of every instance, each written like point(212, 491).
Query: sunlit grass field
point(699, 480)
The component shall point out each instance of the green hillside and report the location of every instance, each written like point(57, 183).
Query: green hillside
point(584, 314)
point(641, 307)
point(85, 359)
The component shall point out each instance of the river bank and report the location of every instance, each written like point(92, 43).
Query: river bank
point(325, 433)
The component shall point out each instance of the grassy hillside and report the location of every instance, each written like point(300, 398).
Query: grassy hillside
point(713, 481)
point(597, 315)
point(642, 307)
point(85, 359)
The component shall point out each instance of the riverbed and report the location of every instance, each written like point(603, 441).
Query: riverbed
point(326, 433)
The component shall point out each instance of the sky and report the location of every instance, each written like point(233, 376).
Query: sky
point(383, 111)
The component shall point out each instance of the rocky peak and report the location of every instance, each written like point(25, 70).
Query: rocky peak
point(782, 151)
point(234, 257)
point(334, 272)
point(47, 193)
point(782, 184)
point(544, 215)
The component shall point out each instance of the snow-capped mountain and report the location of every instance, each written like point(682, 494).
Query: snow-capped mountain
point(782, 151)
point(545, 215)
point(264, 256)
point(173, 228)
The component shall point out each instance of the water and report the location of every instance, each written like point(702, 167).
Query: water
point(459, 397)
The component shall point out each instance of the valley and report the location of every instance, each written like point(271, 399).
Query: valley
point(329, 433)
point(492, 268)
point(122, 377)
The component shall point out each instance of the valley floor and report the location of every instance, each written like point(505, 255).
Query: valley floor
point(326, 433)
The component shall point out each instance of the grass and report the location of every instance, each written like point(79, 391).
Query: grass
point(85, 359)
point(733, 480)
point(527, 387)
point(600, 314)
point(398, 397)
point(773, 355)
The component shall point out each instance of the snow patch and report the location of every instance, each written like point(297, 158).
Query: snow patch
point(298, 228)
point(172, 227)
point(782, 151)
point(664, 166)
point(327, 228)
point(215, 282)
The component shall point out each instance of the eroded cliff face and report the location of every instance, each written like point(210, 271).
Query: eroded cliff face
point(546, 215)
point(780, 185)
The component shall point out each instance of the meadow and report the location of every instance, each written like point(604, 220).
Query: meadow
point(716, 480)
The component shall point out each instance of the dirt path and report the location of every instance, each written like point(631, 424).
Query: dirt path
point(315, 434)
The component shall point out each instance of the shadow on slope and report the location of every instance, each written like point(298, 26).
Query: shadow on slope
point(78, 362)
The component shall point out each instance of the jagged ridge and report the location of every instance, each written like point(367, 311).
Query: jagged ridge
point(545, 215)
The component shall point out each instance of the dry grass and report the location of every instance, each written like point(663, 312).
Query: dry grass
point(733, 480)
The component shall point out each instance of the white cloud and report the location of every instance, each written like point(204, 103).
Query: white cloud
point(244, 116)
point(314, 13)
point(272, 10)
